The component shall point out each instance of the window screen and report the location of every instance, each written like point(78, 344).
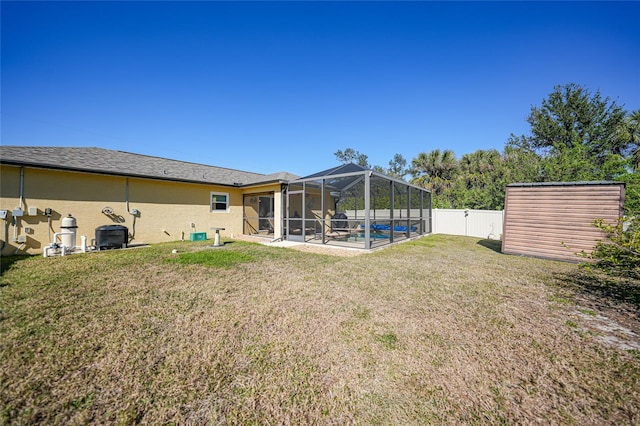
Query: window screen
point(219, 202)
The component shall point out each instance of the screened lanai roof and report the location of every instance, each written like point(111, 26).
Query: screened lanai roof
point(342, 169)
point(346, 175)
point(335, 177)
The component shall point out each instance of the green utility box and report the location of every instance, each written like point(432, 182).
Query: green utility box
point(198, 236)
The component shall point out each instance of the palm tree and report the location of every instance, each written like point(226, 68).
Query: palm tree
point(633, 126)
point(435, 170)
point(479, 164)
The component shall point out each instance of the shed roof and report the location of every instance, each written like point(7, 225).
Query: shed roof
point(595, 182)
point(105, 161)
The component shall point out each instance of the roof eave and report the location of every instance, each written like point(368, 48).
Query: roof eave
point(113, 173)
point(266, 182)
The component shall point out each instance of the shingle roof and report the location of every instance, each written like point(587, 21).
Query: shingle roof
point(105, 161)
point(283, 176)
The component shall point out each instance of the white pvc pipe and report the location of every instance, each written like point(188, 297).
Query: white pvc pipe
point(16, 219)
point(21, 184)
point(63, 248)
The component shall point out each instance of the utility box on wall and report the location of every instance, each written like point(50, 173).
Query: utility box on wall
point(555, 220)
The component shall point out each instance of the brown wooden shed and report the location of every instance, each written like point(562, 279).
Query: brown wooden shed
point(554, 220)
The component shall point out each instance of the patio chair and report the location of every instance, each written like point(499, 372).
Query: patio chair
point(340, 228)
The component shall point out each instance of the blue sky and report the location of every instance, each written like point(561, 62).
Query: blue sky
point(280, 86)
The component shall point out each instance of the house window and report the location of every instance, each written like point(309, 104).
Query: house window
point(220, 202)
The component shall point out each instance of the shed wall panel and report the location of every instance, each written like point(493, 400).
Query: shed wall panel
point(556, 221)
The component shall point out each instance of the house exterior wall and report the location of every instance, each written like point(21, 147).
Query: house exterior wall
point(166, 208)
point(555, 221)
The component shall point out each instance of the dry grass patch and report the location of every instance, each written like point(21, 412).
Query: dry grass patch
point(438, 330)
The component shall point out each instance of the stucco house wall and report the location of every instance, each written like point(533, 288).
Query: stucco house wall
point(166, 208)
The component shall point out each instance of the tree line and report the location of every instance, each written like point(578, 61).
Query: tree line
point(575, 135)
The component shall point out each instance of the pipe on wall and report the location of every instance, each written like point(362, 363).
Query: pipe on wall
point(133, 213)
point(21, 184)
point(126, 194)
point(16, 219)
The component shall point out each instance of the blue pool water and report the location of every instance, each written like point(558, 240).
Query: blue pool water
point(373, 236)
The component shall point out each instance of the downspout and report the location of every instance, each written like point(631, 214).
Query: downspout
point(16, 219)
point(133, 213)
point(21, 184)
point(126, 194)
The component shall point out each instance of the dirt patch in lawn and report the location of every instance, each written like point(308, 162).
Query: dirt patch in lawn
point(607, 307)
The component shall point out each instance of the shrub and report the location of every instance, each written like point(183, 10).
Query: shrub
point(619, 253)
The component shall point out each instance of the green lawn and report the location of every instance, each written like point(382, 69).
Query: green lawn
point(438, 330)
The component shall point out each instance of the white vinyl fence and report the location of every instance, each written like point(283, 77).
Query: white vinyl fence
point(472, 223)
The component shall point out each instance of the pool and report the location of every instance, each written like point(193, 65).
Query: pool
point(360, 236)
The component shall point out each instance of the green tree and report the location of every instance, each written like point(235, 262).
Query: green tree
point(618, 255)
point(481, 181)
point(398, 167)
point(578, 135)
point(350, 155)
point(631, 193)
point(521, 162)
point(630, 131)
point(568, 164)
